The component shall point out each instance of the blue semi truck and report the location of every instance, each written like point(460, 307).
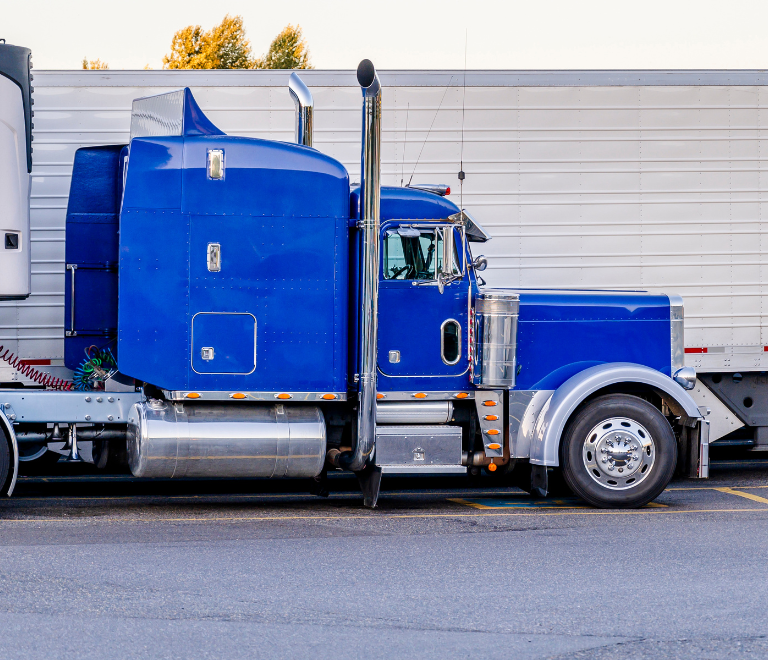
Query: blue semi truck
point(236, 308)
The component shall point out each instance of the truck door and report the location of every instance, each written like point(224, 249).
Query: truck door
point(423, 305)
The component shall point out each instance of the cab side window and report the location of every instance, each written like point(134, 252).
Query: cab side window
point(410, 254)
point(413, 254)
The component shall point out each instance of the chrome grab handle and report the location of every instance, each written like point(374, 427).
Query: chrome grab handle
point(71, 332)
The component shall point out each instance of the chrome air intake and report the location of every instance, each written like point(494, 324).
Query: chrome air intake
point(495, 346)
point(173, 440)
point(302, 99)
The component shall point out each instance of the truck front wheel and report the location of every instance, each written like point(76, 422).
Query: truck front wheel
point(619, 451)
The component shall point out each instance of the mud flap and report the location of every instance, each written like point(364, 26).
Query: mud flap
point(539, 481)
point(370, 481)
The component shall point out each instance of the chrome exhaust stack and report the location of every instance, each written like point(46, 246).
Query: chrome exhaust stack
point(302, 99)
point(370, 198)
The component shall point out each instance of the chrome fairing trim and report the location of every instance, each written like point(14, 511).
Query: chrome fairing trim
point(558, 409)
point(14, 448)
point(676, 332)
point(524, 409)
point(181, 395)
point(466, 395)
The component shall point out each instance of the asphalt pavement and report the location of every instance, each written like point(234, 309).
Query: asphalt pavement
point(115, 568)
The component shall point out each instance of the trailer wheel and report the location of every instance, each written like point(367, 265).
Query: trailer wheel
point(5, 461)
point(618, 452)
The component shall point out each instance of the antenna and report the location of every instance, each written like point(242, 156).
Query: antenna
point(463, 176)
point(430, 130)
point(405, 145)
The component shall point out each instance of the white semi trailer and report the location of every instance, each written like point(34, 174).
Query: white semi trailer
point(652, 180)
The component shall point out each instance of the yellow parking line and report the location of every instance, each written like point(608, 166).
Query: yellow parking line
point(749, 496)
point(383, 516)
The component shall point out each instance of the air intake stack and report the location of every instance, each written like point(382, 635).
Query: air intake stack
point(302, 99)
point(15, 170)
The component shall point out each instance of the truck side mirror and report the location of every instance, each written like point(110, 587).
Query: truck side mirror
point(480, 263)
point(446, 268)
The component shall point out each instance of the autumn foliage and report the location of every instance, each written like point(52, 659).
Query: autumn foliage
point(226, 47)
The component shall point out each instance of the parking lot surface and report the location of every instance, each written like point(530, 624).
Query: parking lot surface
point(120, 568)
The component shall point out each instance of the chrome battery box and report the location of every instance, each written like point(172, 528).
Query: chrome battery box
point(419, 448)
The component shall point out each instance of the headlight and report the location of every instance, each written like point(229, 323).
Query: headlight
point(686, 377)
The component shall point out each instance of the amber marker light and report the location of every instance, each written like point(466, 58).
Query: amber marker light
point(492, 431)
point(381, 396)
point(489, 403)
point(494, 445)
point(419, 395)
point(329, 397)
point(237, 395)
point(491, 418)
point(492, 467)
point(462, 395)
point(283, 396)
point(193, 395)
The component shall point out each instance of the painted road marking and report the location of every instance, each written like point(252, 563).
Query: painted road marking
point(383, 516)
point(559, 503)
point(749, 496)
point(521, 503)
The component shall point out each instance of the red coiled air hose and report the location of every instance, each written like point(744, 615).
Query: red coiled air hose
point(47, 380)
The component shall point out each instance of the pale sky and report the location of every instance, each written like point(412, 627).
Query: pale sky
point(411, 34)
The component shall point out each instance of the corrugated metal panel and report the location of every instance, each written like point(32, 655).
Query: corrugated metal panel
point(651, 180)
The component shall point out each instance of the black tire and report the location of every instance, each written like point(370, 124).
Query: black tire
point(608, 425)
point(5, 463)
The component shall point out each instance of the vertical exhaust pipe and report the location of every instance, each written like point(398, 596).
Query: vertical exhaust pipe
point(302, 99)
point(370, 198)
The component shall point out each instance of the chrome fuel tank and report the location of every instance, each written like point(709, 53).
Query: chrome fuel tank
point(172, 440)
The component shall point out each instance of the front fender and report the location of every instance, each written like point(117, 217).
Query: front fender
point(545, 444)
point(10, 484)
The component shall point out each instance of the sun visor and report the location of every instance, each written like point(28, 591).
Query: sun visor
point(474, 230)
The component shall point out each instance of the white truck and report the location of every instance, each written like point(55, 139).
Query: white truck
point(649, 180)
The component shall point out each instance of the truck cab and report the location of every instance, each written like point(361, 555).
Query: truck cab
point(234, 309)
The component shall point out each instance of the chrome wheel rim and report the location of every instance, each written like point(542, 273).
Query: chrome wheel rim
point(619, 453)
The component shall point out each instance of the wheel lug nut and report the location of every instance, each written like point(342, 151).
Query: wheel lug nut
point(621, 469)
point(605, 460)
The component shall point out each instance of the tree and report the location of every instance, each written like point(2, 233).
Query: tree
point(222, 47)
point(288, 50)
point(94, 64)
